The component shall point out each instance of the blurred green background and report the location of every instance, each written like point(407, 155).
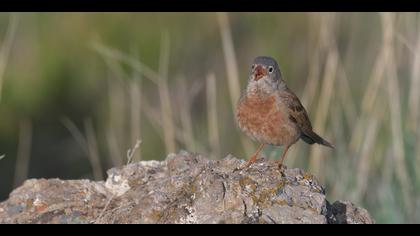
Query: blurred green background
point(77, 90)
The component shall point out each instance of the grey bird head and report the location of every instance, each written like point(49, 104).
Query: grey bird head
point(265, 73)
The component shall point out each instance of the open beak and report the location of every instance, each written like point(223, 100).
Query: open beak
point(259, 72)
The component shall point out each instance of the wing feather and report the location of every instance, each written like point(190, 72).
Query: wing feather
point(297, 113)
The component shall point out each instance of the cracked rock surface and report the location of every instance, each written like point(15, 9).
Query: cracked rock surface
point(185, 188)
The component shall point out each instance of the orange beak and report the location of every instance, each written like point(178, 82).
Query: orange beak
point(259, 72)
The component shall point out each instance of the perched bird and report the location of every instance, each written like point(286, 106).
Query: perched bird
point(270, 113)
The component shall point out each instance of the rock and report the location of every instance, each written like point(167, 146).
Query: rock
point(185, 188)
point(344, 212)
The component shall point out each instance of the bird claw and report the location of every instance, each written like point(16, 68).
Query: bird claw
point(282, 167)
point(241, 167)
point(237, 169)
point(244, 166)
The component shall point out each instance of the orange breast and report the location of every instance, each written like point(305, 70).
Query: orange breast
point(265, 120)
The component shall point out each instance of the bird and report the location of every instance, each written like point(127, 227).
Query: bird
point(270, 113)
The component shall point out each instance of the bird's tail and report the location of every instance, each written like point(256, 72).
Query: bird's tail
point(311, 137)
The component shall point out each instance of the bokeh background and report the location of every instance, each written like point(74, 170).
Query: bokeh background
point(79, 90)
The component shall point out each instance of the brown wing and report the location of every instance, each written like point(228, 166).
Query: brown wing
point(297, 112)
point(298, 115)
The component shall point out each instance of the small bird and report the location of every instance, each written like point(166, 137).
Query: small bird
point(270, 113)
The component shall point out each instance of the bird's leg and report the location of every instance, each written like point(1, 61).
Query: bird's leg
point(280, 162)
point(254, 157)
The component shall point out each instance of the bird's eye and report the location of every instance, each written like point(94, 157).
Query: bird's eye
point(270, 69)
point(252, 67)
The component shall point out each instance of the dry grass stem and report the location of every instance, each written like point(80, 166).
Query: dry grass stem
point(185, 115)
point(88, 144)
point(363, 165)
point(117, 105)
point(135, 111)
point(113, 149)
point(212, 121)
point(165, 98)
point(114, 54)
point(24, 152)
point(414, 94)
point(395, 106)
point(327, 91)
point(232, 71)
point(132, 151)
point(93, 150)
point(6, 47)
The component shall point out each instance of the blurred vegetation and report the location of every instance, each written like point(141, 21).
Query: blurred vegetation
point(78, 91)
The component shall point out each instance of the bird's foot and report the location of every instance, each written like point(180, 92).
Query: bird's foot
point(281, 166)
point(246, 165)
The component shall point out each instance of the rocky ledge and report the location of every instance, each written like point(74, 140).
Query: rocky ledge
point(185, 188)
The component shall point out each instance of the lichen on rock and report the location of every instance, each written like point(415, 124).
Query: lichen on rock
point(185, 188)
